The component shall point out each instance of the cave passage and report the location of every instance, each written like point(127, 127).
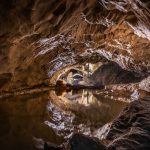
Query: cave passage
point(74, 74)
point(79, 103)
point(82, 100)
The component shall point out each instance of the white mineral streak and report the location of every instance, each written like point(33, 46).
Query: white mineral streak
point(141, 30)
point(145, 84)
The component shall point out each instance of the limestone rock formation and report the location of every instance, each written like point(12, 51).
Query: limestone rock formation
point(39, 37)
point(145, 84)
point(131, 130)
point(112, 73)
point(81, 142)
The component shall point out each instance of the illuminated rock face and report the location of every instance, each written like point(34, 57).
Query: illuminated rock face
point(38, 37)
point(112, 73)
point(131, 130)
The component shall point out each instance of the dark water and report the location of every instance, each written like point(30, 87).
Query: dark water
point(27, 121)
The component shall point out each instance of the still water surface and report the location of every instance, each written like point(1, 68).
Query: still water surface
point(26, 122)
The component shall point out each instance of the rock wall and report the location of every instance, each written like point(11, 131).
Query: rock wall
point(38, 37)
point(112, 73)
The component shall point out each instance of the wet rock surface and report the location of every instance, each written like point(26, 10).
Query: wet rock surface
point(112, 73)
point(40, 39)
point(4, 79)
point(145, 84)
point(130, 131)
point(82, 142)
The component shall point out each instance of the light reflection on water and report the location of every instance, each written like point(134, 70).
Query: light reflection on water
point(27, 121)
point(95, 105)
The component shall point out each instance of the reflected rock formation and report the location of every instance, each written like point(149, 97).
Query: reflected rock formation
point(43, 41)
point(130, 131)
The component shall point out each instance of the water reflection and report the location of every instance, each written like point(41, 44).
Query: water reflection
point(21, 119)
point(28, 121)
point(94, 107)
